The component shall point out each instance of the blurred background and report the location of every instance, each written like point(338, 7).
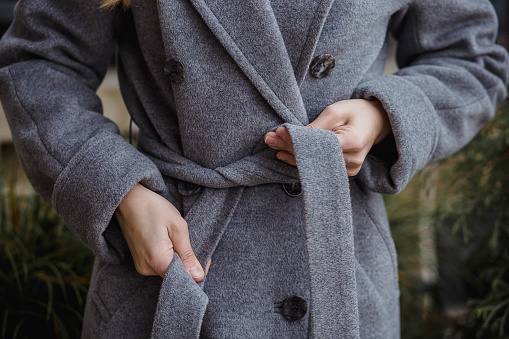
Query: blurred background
point(450, 226)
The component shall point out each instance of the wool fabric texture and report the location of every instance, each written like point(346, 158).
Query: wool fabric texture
point(247, 72)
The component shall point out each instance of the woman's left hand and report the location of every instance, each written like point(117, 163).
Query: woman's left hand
point(358, 124)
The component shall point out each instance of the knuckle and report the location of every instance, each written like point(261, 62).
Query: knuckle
point(181, 223)
point(180, 226)
point(187, 256)
point(353, 172)
point(355, 162)
point(155, 261)
point(356, 144)
point(142, 269)
point(152, 260)
point(329, 111)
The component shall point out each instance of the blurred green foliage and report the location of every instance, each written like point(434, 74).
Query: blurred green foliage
point(420, 310)
point(468, 213)
point(476, 211)
point(44, 270)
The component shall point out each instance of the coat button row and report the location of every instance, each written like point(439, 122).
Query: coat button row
point(174, 70)
point(294, 189)
point(322, 66)
point(292, 308)
point(188, 188)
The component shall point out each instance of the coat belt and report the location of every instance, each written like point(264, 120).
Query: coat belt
point(328, 224)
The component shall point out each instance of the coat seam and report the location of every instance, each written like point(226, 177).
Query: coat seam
point(67, 178)
point(472, 103)
point(32, 118)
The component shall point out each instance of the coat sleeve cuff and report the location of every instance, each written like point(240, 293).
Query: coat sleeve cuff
point(391, 164)
point(91, 186)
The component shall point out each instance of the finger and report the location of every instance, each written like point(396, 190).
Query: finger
point(354, 159)
point(279, 140)
point(179, 235)
point(349, 140)
point(352, 171)
point(208, 266)
point(353, 162)
point(330, 117)
point(287, 158)
point(155, 253)
point(149, 259)
point(143, 268)
point(157, 264)
point(273, 140)
point(283, 133)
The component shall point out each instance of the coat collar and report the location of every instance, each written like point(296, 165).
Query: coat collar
point(249, 32)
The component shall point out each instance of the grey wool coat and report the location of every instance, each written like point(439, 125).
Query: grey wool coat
point(205, 80)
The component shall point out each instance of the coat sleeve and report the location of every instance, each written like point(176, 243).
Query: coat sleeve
point(452, 77)
point(52, 59)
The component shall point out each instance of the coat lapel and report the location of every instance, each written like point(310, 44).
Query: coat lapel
point(321, 14)
point(248, 30)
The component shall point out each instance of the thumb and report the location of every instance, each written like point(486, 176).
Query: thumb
point(192, 265)
point(183, 248)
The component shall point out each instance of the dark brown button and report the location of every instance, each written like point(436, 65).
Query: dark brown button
point(175, 70)
point(322, 66)
point(188, 188)
point(294, 308)
point(294, 189)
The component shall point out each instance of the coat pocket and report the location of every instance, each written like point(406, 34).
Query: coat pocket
point(125, 301)
point(374, 247)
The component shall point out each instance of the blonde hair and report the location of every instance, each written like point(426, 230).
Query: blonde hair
point(113, 3)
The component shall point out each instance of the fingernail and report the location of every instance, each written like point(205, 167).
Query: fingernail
point(195, 272)
point(270, 140)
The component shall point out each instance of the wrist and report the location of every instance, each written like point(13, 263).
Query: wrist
point(131, 196)
point(384, 124)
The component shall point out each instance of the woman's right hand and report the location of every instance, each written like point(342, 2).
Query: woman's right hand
point(153, 229)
